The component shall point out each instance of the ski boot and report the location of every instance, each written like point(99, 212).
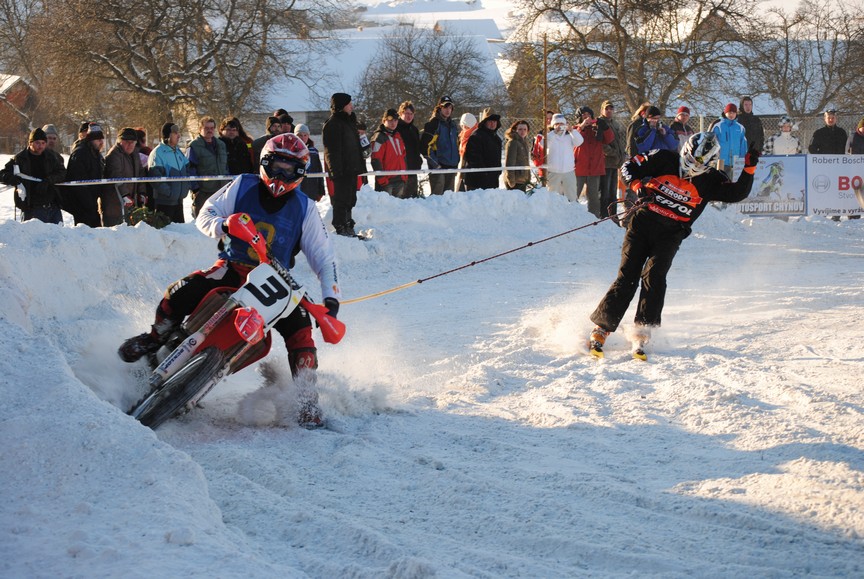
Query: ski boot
point(640, 340)
point(596, 341)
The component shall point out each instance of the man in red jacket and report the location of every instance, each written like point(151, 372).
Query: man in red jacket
point(590, 158)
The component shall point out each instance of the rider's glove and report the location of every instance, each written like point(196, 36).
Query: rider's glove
point(332, 305)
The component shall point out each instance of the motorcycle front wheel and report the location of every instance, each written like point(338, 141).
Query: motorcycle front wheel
point(172, 396)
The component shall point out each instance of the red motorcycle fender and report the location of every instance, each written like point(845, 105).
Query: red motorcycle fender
point(249, 324)
point(225, 337)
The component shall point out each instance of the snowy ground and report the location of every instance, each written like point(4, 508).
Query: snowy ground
point(471, 434)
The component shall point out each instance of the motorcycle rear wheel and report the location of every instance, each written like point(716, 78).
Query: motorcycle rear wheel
point(179, 389)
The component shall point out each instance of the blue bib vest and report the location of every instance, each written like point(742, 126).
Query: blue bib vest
point(281, 230)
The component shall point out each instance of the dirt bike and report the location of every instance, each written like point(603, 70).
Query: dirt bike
point(227, 331)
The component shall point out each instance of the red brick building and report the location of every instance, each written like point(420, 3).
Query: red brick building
point(16, 104)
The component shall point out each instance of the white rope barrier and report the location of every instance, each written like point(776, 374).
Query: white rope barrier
point(121, 180)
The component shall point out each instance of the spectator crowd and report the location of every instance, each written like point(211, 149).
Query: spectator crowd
point(579, 157)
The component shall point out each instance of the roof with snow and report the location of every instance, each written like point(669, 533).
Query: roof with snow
point(341, 65)
point(485, 27)
point(7, 81)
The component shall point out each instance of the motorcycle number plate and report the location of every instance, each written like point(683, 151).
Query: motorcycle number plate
point(268, 293)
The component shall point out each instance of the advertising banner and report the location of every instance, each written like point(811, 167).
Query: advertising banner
point(779, 187)
point(835, 184)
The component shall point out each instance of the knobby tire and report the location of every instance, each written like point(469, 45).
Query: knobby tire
point(179, 389)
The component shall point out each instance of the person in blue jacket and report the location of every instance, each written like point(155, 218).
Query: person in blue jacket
point(167, 160)
point(653, 134)
point(730, 134)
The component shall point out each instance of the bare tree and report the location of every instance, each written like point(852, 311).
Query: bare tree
point(421, 65)
point(636, 50)
point(810, 58)
point(164, 58)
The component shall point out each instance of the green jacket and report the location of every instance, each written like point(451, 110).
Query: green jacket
point(202, 161)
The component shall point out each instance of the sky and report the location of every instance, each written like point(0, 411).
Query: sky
point(469, 432)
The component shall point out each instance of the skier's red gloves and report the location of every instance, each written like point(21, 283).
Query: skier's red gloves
point(751, 159)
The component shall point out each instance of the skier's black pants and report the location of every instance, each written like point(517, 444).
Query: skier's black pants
point(649, 247)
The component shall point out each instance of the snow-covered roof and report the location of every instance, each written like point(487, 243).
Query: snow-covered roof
point(341, 65)
point(485, 27)
point(7, 81)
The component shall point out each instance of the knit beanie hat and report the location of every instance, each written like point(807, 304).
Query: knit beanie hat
point(94, 132)
point(584, 109)
point(653, 112)
point(50, 130)
point(730, 108)
point(338, 101)
point(272, 121)
point(390, 115)
point(683, 109)
point(37, 134)
point(606, 103)
point(301, 128)
point(558, 119)
point(169, 128)
point(468, 120)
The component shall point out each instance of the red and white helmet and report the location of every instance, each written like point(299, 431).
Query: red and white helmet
point(284, 160)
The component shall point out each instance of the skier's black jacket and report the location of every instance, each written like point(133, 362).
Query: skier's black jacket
point(678, 202)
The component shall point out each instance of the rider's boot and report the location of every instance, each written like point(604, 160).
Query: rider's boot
point(304, 363)
point(147, 343)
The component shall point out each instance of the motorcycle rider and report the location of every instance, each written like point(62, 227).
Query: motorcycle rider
point(662, 220)
point(290, 223)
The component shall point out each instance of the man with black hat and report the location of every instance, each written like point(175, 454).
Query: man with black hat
point(343, 157)
point(286, 120)
point(122, 161)
point(167, 160)
point(653, 134)
point(439, 144)
point(484, 150)
point(86, 163)
point(36, 199)
point(273, 127)
point(388, 154)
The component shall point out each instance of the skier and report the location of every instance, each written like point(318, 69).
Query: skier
point(291, 223)
point(673, 190)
